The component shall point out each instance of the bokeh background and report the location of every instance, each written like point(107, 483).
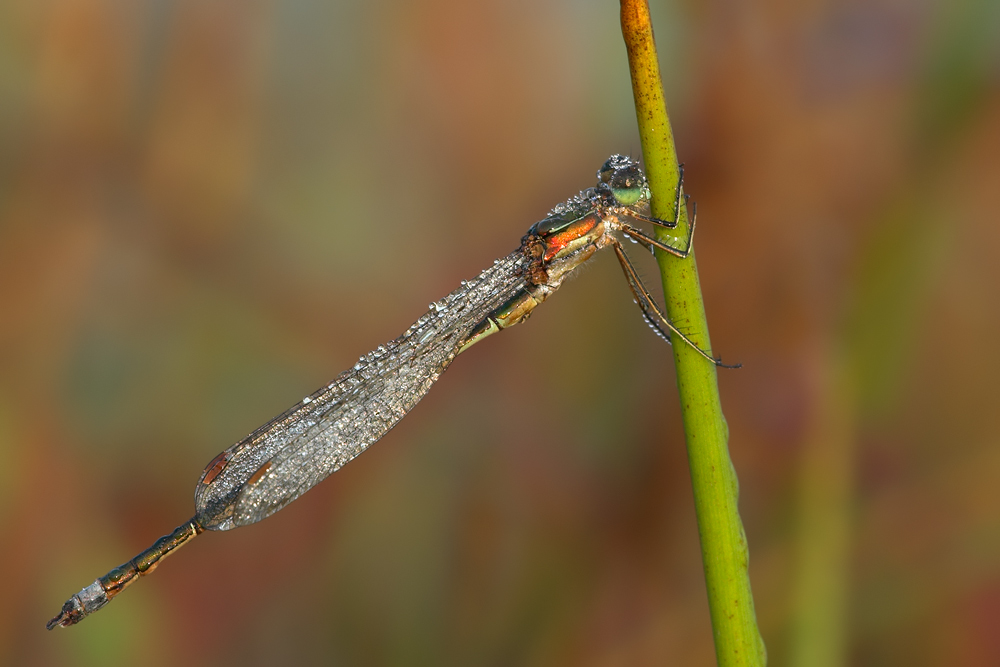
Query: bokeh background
point(207, 210)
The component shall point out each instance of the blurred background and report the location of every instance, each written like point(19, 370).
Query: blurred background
point(208, 210)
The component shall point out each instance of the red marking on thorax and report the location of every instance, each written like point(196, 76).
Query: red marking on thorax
point(557, 242)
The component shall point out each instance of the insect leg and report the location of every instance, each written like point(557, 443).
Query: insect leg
point(651, 312)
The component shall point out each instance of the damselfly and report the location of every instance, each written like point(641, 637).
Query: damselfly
point(289, 455)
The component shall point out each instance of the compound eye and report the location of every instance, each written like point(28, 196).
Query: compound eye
point(611, 165)
point(606, 171)
point(627, 185)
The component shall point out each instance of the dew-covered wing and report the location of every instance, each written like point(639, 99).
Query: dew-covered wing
point(283, 459)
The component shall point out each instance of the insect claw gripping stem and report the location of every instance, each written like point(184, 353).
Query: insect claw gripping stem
point(650, 242)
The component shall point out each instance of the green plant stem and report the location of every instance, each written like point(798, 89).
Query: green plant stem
point(716, 492)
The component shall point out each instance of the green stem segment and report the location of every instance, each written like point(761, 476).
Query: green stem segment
point(716, 490)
